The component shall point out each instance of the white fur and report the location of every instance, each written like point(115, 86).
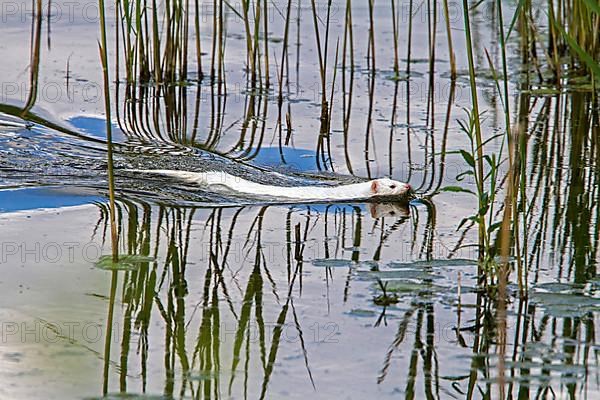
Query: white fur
point(356, 191)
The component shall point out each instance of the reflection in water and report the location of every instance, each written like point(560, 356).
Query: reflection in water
point(242, 315)
point(225, 321)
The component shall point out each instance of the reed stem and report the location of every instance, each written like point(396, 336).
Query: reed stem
point(110, 162)
point(476, 121)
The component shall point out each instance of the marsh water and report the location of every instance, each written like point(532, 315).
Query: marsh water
point(221, 296)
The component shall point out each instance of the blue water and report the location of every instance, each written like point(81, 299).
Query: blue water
point(96, 127)
point(293, 159)
point(42, 197)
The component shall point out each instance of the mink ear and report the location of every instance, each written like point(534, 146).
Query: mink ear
point(374, 186)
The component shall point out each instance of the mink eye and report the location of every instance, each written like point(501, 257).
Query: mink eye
point(392, 186)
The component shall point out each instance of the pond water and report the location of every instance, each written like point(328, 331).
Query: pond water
point(226, 297)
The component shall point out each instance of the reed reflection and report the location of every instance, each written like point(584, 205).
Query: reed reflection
point(222, 293)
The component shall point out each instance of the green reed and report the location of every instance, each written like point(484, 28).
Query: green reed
point(215, 32)
point(36, 33)
point(450, 46)
point(484, 168)
point(322, 67)
point(284, 61)
point(484, 165)
point(111, 194)
point(250, 44)
point(584, 44)
point(474, 130)
point(583, 23)
point(256, 45)
point(371, 49)
point(109, 144)
point(198, 41)
point(517, 168)
point(347, 47)
point(395, 38)
point(573, 46)
point(486, 181)
point(155, 39)
point(409, 36)
point(266, 41)
point(159, 55)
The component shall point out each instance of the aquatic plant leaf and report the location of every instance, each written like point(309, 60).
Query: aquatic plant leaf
point(592, 64)
point(385, 300)
point(494, 226)
point(491, 138)
point(462, 175)
point(438, 263)
point(472, 218)
point(400, 274)
point(490, 160)
point(357, 312)
point(593, 5)
point(332, 263)
point(398, 286)
point(556, 287)
point(456, 189)
point(130, 396)
point(566, 304)
point(484, 209)
point(464, 128)
point(201, 376)
point(127, 262)
point(468, 158)
point(234, 10)
point(516, 14)
point(542, 92)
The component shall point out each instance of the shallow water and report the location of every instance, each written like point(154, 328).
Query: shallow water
point(225, 297)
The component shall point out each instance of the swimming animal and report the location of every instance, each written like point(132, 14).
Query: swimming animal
point(9, 122)
point(219, 181)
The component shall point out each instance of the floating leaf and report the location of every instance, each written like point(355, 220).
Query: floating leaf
point(131, 396)
point(557, 287)
point(332, 263)
point(409, 287)
point(566, 304)
point(403, 273)
point(542, 92)
point(199, 376)
point(439, 263)
point(361, 313)
point(386, 300)
point(126, 262)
